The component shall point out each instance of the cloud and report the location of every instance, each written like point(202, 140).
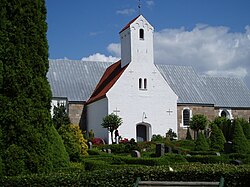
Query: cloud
point(100, 57)
point(210, 50)
point(114, 49)
point(150, 3)
point(129, 11)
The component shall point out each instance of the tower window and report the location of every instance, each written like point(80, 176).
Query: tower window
point(140, 83)
point(145, 83)
point(141, 34)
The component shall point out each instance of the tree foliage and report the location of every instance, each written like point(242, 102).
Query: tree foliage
point(240, 142)
point(226, 126)
point(198, 122)
point(245, 126)
point(60, 116)
point(201, 143)
point(25, 94)
point(188, 135)
point(217, 138)
point(111, 122)
point(74, 142)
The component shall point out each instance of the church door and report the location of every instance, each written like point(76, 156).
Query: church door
point(142, 132)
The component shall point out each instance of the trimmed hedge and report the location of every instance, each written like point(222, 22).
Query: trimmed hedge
point(234, 176)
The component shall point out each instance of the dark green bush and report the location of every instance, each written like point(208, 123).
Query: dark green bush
point(124, 177)
point(208, 159)
point(245, 158)
point(185, 144)
point(93, 152)
point(157, 138)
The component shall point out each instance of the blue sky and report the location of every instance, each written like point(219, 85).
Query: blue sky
point(211, 35)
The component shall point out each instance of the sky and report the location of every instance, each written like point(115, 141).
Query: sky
point(213, 36)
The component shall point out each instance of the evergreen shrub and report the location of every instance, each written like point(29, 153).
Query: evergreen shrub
point(217, 139)
point(74, 142)
point(201, 143)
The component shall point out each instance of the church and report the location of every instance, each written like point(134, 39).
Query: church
point(150, 98)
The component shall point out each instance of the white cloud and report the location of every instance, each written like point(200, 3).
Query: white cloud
point(150, 3)
point(210, 50)
point(114, 49)
point(129, 11)
point(100, 57)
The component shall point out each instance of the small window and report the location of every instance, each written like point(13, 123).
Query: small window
point(145, 83)
point(141, 34)
point(223, 114)
point(140, 83)
point(186, 117)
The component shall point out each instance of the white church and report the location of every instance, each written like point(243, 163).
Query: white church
point(150, 98)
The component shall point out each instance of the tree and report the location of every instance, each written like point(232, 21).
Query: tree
point(188, 136)
point(25, 93)
point(111, 122)
point(201, 143)
point(245, 126)
point(60, 116)
point(217, 138)
point(240, 142)
point(197, 123)
point(225, 125)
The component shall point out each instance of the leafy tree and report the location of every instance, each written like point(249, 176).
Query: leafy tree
point(111, 122)
point(197, 123)
point(74, 142)
point(217, 138)
point(188, 136)
point(60, 116)
point(240, 142)
point(171, 134)
point(201, 143)
point(25, 94)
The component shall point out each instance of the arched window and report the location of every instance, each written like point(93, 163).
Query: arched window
point(141, 34)
point(223, 114)
point(186, 117)
point(145, 83)
point(140, 83)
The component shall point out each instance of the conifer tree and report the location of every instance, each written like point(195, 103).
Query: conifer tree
point(245, 126)
point(217, 138)
point(25, 94)
point(240, 142)
point(201, 143)
point(188, 136)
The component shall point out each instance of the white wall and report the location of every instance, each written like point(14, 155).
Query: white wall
point(95, 113)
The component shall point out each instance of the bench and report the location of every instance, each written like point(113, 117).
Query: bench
point(140, 183)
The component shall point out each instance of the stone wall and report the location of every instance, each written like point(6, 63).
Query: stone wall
point(75, 112)
point(210, 111)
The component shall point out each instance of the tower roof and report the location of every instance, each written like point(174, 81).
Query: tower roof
point(128, 25)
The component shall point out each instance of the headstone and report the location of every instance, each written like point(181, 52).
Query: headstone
point(104, 150)
point(90, 145)
point(217, 153)
point(228, 147)
point(109, 151)
point(168, 149)
point(236, 162)
point(160, 150)
point(188, 155)
point(136, 154)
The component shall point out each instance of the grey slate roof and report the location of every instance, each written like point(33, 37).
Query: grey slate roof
point(186, 84)
point(76, 80)
point(228, 92)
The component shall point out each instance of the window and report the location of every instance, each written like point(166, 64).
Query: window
point(145, 83)
point(141, 34)
point(186, 117)
point(140, 83)
point(223, 114)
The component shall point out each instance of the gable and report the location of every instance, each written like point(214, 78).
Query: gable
point(108, 79)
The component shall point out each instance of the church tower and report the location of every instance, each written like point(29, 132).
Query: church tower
point(137, 42)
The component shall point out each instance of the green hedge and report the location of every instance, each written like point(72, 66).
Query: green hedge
point(124, 177)
point(208, 159)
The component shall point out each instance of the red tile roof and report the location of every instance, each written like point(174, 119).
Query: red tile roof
point(127, 26)
point(110, 76)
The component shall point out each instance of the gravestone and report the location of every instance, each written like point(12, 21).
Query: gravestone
point(236, 162)
point(90, 145)
point(160, 150)
point(168, 149)
point(109, 151)
point(228, 147)
point(136, 154)
point(217, 153)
